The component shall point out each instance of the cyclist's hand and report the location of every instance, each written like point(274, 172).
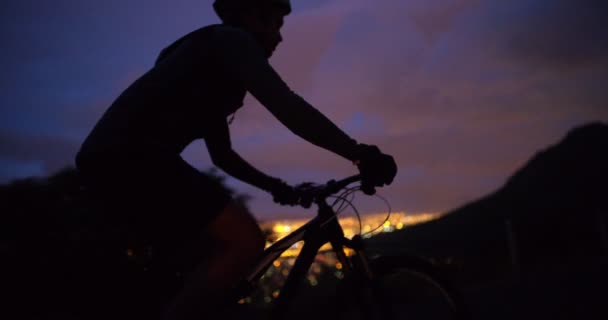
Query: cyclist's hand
point(306, 192)
point(376, 168)
point(284, 194)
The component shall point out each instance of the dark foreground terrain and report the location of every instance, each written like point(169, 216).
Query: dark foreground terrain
point(560, 292)
point(557, 292)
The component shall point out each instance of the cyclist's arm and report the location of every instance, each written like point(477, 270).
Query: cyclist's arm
point(244, 58)
point(221, 153)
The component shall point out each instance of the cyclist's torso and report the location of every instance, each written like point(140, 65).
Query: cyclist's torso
point(173, 104)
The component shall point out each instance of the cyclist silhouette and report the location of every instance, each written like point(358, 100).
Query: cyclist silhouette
point(131, 159)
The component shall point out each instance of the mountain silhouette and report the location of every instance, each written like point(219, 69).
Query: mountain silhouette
point(552, 211)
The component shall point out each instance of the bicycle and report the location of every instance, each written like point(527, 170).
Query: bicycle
point(373, 287)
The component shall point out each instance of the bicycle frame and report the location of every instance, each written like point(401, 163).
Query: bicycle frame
point(364, 288)
point(322, 229)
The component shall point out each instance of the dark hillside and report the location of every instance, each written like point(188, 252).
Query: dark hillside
point(553, 210)
point(537, 248)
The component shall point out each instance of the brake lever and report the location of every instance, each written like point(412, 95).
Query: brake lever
point(368, 189)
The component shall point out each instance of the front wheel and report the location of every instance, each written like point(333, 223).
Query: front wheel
point(402, 288)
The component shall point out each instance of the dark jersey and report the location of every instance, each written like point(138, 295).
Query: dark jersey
point(196, 83)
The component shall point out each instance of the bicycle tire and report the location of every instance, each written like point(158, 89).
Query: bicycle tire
point(404, 287)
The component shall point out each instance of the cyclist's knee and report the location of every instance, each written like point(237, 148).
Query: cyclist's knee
point(236, 229)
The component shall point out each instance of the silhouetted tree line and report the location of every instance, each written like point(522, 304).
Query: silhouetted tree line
point(52, 239)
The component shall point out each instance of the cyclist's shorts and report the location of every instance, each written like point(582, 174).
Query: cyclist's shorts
point(158, 201)
point(154, 210)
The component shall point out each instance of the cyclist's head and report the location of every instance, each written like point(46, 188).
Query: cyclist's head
point(264, 18)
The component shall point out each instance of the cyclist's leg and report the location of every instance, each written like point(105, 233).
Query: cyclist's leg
point(237, 241)
point(169, 204)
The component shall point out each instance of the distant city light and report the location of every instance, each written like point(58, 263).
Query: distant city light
point(281, 228)
point(371, 224)
point(326, 260)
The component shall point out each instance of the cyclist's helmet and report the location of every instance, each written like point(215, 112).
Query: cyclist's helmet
point(226, 7)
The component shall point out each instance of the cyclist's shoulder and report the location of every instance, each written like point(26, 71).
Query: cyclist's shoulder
point(201, 34)
point(198, 39)
point(219, 32)
point(235, 44)
point(219, 36)
point(228, 29)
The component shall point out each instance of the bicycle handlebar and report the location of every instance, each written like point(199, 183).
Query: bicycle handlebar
point(333, 186)
point(317, 193)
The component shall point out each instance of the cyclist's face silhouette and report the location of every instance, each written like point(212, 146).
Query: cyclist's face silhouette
point(267, 29)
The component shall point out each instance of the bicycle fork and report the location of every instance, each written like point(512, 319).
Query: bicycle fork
point(360, 281)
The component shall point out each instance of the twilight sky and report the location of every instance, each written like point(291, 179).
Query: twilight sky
point(461, 92)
